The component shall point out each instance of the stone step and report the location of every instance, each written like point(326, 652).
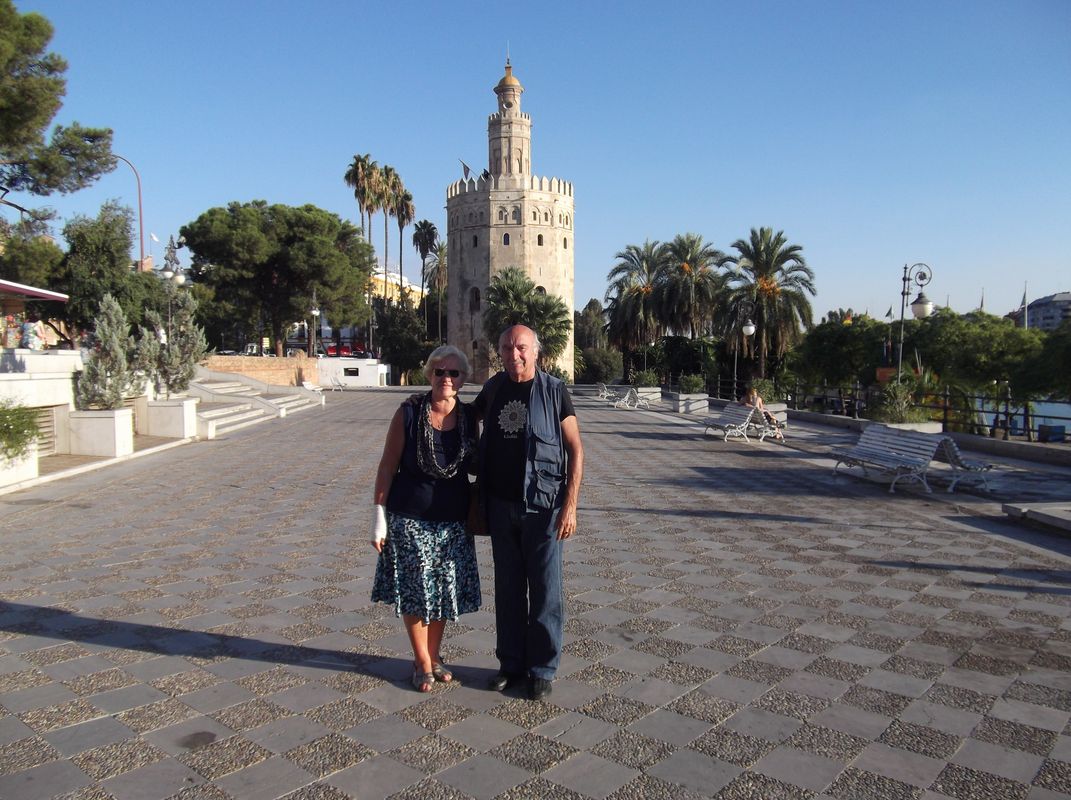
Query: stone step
point(216, 410)
point(212, 427)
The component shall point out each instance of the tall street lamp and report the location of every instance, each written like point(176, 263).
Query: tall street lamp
point(311, 335)
point(173, 277)
point(141, 227)
point(921, 307)
point(747, 329)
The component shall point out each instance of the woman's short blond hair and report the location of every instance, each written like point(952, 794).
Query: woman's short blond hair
point(443, 352)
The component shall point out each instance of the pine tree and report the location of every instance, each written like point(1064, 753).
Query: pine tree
point(107, 377)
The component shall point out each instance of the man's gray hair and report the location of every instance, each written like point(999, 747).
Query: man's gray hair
point(535, 336)
point(441, 353)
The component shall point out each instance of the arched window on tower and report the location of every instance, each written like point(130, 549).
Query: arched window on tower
point(535, 216)
point(546, 216)
point(474, 300)
point(565, 243)
point(501, 215)
point(540, 290)
point(539, 240)
point(505, 239)
point(517, 214)
point(475, 240)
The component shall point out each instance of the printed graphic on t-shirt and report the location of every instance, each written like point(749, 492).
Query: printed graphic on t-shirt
point(512, 419)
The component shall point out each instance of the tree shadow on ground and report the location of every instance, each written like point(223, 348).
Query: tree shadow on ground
point(703, 513)
point(53, 623)
point(1028, 580)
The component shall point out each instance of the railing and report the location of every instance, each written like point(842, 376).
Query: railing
point(987, 415)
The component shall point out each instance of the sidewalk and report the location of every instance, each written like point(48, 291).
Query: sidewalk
point(195, 623)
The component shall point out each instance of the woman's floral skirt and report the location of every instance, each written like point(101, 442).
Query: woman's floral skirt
point(427, 569)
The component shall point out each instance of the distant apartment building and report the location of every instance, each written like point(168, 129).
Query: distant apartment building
point(389, 287)
point(1045, 313)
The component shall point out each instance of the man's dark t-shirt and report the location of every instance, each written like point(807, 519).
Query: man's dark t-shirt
point(504, 425)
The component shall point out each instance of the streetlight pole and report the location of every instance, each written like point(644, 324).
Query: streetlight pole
point(921, 307)
point(311, 334)
point(748, 329)
point(173, 277)
point(141, 224)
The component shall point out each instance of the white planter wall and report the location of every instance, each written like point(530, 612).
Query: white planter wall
point(17, 470)
point(102, 433)
point(175, 418)
point(688, 403)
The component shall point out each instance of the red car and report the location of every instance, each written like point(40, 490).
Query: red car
point(343, 350)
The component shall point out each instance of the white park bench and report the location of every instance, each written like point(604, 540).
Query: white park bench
point(761, 426)
point(963, 469)
point(632, 399)
point(894, 452)
point(734, 419)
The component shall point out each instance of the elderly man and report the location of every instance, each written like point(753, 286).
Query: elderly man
point(531, 464)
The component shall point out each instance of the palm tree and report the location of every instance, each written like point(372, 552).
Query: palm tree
point(403, 213)
point(388, 188)
point(512, 299)
point(630, 298)
point(357, 177)
point(425, 237)
point(437, 277)
point(690, 292)
point(775, 278)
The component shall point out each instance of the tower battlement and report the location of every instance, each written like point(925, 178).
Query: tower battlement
point(534, 183)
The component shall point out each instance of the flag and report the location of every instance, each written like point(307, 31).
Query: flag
point(465, 167)
point(888, 314)
point(153, 237)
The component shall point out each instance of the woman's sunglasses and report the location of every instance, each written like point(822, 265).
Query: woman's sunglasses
point(453, 373)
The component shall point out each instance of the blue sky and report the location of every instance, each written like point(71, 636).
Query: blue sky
point(874, 134)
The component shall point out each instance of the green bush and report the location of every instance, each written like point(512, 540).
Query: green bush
point(600, 365)
point(766, 389)
point(645, 377)
point(898, 405)
point(558, 373)
point(693, 384)
point(18, 429)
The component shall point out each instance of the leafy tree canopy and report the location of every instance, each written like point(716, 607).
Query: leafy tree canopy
point(32, 86)
point(590, 326)
point(264, 261)
point(512, 299)
point(401, 337)
point(841, 354)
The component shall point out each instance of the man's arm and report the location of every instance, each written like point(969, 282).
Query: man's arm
point(574, 448)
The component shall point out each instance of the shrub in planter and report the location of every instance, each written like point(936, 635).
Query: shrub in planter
point(18, 430)
point(108, 376)
point(692, 384)
point(898, 406)
point(645, 377)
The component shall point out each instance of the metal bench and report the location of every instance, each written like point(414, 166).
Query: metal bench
point(963, 469)
point(734, 419)
point(631, 399)
point(763, 426)
point(893, 451)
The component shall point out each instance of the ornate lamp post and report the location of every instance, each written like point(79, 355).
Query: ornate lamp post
point(921, 307)
point(311, 335)
point(747, 329)
point(173, 277)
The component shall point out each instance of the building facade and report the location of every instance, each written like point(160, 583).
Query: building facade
point(507, 217)
point(1046, 313)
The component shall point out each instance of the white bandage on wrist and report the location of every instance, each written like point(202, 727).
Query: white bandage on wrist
point(379, 524)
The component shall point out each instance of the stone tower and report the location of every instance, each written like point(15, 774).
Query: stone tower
point(507, 217)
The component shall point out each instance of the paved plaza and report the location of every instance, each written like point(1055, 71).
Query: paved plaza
point(196, 624)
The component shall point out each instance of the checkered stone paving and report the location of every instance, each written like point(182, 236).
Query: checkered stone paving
point(740, 625)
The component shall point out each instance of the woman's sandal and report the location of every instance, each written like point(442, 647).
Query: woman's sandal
point(423, 681)
point(441, 673)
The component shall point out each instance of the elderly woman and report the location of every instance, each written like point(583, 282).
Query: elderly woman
point(427, 563)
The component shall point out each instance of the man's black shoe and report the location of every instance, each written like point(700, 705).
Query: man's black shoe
point(538, 688)
point(502, 681)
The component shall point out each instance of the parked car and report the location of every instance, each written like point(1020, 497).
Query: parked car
point(336, 350)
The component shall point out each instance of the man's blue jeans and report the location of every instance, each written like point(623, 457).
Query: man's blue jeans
point(529, 605)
